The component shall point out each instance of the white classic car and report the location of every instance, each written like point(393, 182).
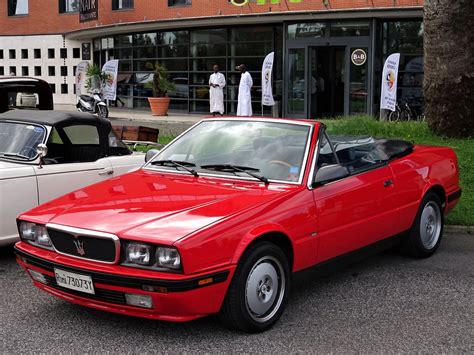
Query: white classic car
point(45, 154)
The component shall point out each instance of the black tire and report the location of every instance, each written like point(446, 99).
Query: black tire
point(236, 312)
point(102, 111)
point(419, 242)
point(394, 116)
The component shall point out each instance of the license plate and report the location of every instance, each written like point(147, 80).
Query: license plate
point(73, 281)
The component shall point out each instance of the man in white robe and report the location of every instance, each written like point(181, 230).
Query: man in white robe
point(244, 104)
point(216, 94)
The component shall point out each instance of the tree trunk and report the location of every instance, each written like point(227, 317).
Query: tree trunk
point(449, 66)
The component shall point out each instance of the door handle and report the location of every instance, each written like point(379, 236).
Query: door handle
point(387, 183)
point(106, 172)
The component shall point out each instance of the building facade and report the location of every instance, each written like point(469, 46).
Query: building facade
point(328, 53)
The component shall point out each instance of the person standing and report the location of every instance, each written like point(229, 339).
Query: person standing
point(244, 103)
point(216, 94)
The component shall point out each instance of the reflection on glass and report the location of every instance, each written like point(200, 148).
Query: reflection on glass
point(353, 29)
point(296, 81)
point(311, 29)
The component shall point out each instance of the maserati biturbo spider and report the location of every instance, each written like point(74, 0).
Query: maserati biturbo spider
point(220, 219)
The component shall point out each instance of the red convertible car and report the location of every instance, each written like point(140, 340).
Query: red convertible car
point(220, 219)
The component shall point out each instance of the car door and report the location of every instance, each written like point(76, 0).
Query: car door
point(354, 211)
point(75, 159)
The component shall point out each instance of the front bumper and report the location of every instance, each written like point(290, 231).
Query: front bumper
point(178, 299)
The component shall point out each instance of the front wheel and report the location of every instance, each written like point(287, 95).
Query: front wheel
point(259, 289)
point(102, 111)
point(425, 235)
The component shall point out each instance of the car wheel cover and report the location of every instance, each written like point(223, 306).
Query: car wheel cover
point(265, 289)
point(430, 225)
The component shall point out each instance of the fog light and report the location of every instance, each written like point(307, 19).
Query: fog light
point(139, 300)
point(37, 276)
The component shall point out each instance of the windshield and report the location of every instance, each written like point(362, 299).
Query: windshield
point(19, 140)
point(275, 151)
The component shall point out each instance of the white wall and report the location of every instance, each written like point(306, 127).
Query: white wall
point(44, 42)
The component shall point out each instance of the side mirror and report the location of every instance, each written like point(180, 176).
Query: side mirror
point(330, 173)
point(150, 154)
point(42, 150)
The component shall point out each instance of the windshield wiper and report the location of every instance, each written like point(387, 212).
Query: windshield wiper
point(236, 168)
point(177, 164)
point(14, 155)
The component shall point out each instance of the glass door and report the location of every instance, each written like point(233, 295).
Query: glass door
point(296, 82)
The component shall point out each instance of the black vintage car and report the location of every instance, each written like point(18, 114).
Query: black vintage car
point(25, 93)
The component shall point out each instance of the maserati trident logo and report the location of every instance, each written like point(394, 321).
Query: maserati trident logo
point(80, 247)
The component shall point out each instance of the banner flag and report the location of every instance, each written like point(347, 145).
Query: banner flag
point(110, 86)
point(267, 94)
point(388, 95)
point(81, 71)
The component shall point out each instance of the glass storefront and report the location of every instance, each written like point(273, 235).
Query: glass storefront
point(189, 57)
point(314, 72)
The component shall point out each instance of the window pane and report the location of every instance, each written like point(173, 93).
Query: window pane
point(245, 34)
point(173, 50)
point(250, 49)
point(17, 7)
point(175, 64)
point(208, 50)
point(122, 41)
point(314, 29)
point(144, 39)
point(209, 36)
point(82, 134)
point(124, 53)
point(354, 29)
point(175, 37)
point(206, 64)
point(179, 2)
point(144, 52)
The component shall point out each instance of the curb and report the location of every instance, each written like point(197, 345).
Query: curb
point(459, 229)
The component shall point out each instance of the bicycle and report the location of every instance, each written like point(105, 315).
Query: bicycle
point(403, 112)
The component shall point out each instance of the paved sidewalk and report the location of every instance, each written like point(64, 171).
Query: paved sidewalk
point(171, 125)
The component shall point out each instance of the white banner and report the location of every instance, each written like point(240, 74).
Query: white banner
point(388, 96)
point(109, 89)
point(81, 71)
point(267, 94)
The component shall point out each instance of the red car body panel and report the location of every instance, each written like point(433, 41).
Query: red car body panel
point(212, 221)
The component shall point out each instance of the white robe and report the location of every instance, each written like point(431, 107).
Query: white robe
point(216, 95)
point(244, 104)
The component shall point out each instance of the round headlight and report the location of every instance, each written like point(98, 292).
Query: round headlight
point(42, 236)
point(168, 258)
point(138, 253)
point(27, 230)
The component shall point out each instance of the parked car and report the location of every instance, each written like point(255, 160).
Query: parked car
point(222, 217)
point(25, 93)
point(45, 154)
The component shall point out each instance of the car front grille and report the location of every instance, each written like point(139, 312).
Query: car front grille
point(101, 294)
point(84, 244)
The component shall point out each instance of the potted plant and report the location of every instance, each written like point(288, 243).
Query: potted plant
point(160, 85)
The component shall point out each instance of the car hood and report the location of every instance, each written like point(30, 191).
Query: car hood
point(155, 207)
point(9, 170)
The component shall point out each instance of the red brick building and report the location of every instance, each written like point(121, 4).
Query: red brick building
point(314, 42)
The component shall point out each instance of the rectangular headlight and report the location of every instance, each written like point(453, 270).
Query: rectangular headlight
point(35, 234)
point(168, 258)
point(138, 253)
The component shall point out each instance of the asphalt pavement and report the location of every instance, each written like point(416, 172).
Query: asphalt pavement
point(386, 303)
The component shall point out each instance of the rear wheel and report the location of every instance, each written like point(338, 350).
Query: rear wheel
point(259, 289)
point(102, 111)
point(425, 234)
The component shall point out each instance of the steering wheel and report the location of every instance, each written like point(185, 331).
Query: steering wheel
point(281, 162)
point(27, 149)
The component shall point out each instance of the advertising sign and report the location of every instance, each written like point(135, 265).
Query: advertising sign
point(88, 10)
point(388, 98)
point(267, 94)
point(81, 71)
point(109, 90)
point(358, 57)
point(86, 51)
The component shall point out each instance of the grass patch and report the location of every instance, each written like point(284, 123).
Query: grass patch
point(419, 133)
